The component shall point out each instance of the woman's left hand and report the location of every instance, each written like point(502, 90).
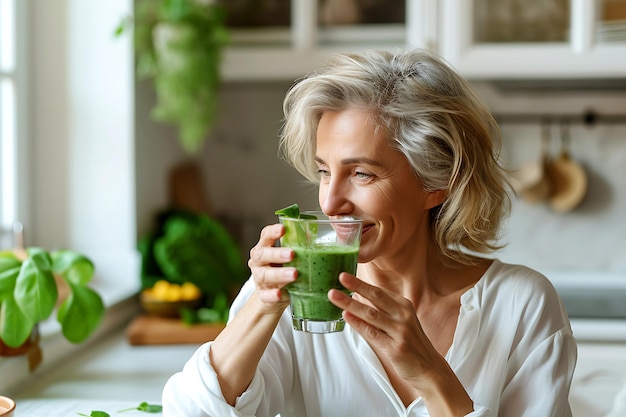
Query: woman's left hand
point(390, 325)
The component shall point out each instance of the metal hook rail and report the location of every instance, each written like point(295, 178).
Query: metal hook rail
point(588, 118)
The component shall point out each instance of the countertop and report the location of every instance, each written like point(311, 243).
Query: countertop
point(109, 376)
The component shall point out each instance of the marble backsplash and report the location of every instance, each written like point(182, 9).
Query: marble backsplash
point(247, 181)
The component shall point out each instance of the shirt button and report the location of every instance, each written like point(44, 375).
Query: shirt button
point(468, 307)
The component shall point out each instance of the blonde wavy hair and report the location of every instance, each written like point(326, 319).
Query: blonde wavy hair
point(433, 117)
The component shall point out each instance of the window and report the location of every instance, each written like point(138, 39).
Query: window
point(11, 116)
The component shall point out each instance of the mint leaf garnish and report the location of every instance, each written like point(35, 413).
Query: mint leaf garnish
point(292, 211)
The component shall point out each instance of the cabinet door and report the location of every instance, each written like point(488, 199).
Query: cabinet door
point(534, 39)
point(283, 39)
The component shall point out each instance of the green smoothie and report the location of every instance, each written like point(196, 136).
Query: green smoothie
point(318, 271)
point(323, 248)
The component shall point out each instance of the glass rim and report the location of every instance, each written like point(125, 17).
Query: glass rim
point(325, 218)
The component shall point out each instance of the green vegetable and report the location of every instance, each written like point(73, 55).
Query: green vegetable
point(217, 314)
point(190, 247)
point(198, 249)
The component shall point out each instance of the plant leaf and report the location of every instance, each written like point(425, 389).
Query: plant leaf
point(7, 282)
point(35, 289)
point(15, 326)
point(73, 266)
point(81, 313)
point(8, 260)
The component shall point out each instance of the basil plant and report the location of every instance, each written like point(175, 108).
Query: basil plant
point(29, 294)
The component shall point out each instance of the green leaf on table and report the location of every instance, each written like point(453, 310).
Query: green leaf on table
point(95, 414)
point(150, 408)
point(145, 407)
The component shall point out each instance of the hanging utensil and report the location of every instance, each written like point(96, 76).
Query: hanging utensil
point(569, 179)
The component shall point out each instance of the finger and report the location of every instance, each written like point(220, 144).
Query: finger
point(271, 233)
point(364, 319)
point(266, 255)
point(273, 295)
point(274, 277)
point(382, 300)
point(362, 312)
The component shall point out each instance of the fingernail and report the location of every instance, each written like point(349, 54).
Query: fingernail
point(288, 272)
point(285, 254)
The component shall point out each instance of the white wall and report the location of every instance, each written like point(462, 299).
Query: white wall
point(591, 237)
point(81, 124)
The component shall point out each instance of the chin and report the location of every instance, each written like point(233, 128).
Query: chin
point(365, 255)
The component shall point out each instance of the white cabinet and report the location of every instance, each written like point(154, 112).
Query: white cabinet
point(514, 39)
point(314, 34)
point(483, 39)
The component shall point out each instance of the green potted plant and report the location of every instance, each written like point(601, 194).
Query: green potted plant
point(29, 293)
point(178, 44)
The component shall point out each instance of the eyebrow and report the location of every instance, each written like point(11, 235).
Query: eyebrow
point(350, 161)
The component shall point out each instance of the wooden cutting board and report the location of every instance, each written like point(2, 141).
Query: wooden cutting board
point(154, 330)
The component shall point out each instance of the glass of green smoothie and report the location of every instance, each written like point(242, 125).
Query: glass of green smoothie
point(324, 247)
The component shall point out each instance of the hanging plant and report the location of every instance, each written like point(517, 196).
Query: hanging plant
point(178, 44)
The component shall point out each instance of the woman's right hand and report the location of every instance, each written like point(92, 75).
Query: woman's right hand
point(269, 275)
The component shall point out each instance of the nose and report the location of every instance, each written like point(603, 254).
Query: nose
point(334, 198)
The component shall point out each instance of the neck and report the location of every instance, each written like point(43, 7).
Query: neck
point(423, 277)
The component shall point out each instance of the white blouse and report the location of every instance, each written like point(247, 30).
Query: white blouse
point(513, 350)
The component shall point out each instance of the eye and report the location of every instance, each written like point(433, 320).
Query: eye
point(362, 175)
point(322, 172)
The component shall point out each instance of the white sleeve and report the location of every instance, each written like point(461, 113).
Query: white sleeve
point(540, 387)
point(195, 391)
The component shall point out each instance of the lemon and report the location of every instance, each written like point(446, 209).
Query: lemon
point(189, 291)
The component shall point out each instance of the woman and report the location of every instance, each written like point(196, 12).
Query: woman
point(434, 326)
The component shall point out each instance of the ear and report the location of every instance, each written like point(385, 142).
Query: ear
point(434, 199)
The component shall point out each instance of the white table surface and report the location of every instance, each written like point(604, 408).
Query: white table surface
point(110, 376)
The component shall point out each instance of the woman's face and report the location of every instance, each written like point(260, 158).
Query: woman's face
point(362, 175)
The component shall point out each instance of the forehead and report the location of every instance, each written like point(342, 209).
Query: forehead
point(352, 137)
point(352, 128)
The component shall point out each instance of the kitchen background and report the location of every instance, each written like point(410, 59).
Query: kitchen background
point(75, 62)
point(246, 181)
point(96, 166)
